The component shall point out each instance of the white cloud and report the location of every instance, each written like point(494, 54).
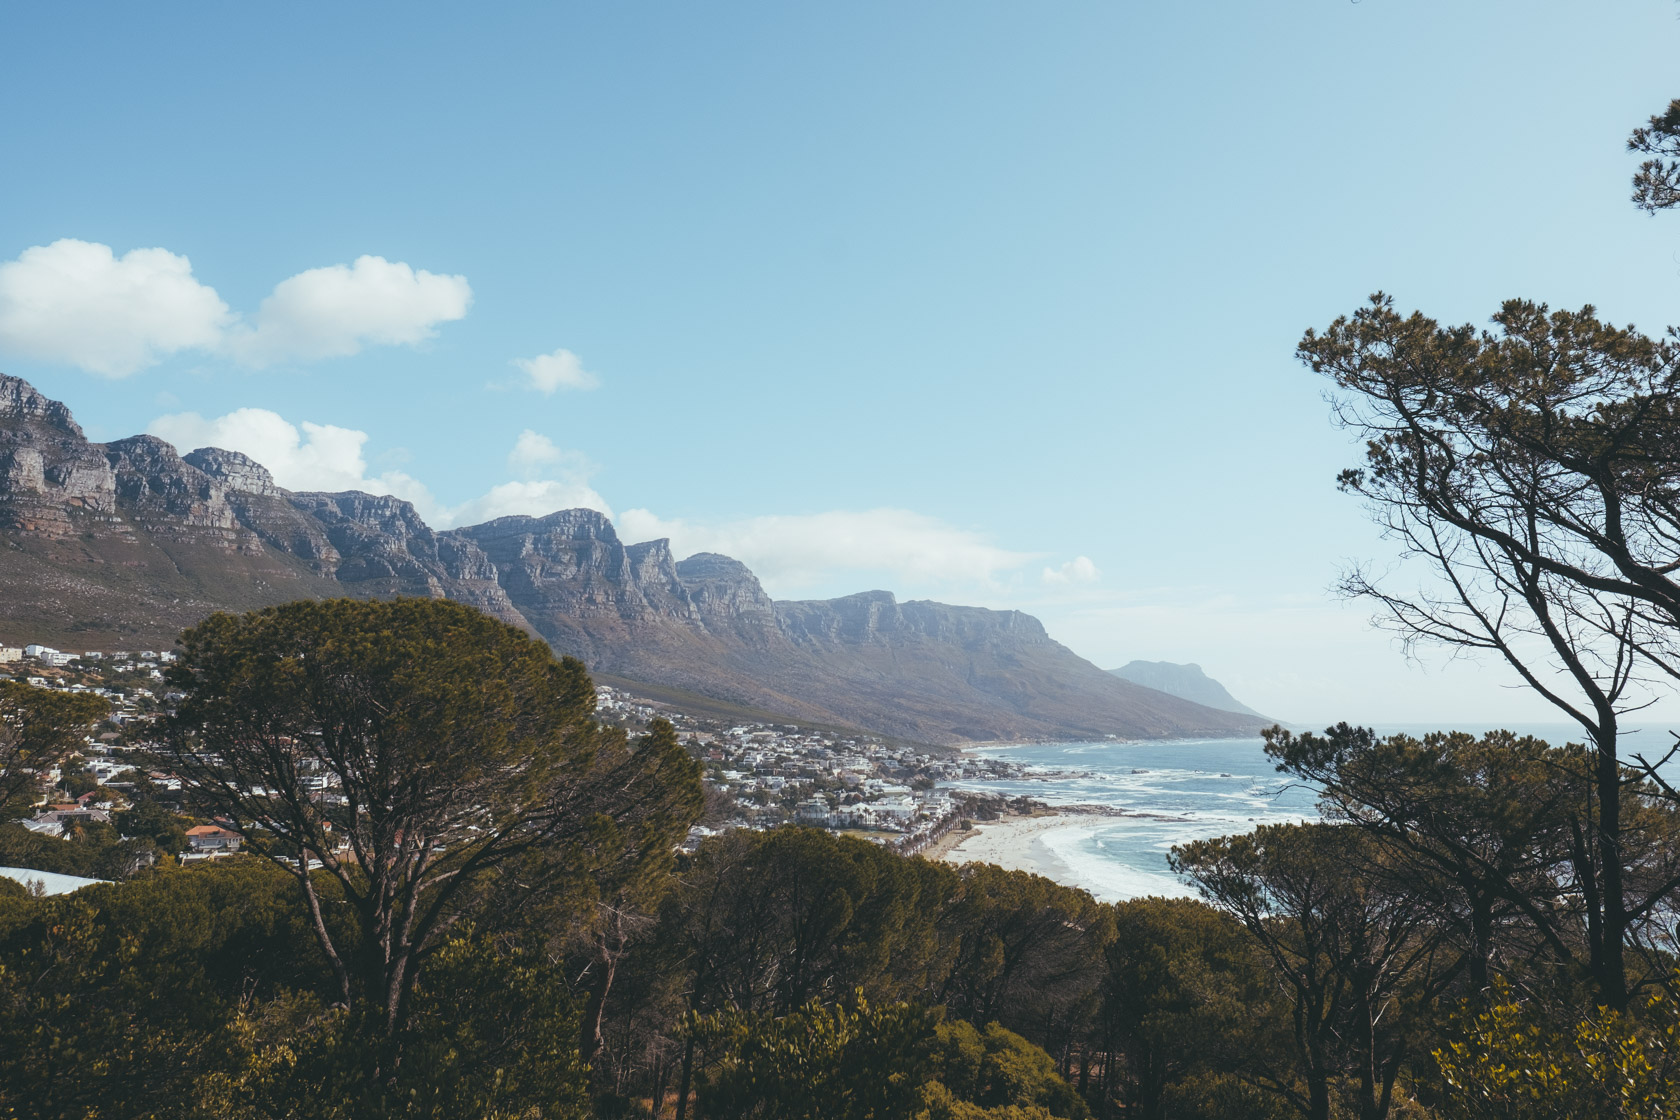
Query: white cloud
point(559, 370)
point(335, 311)
point(533, 498)
point(310, 456)
point(77, 303)
point(791, 551)
point(1078, 570)
point(531, 452)
point(304, 456)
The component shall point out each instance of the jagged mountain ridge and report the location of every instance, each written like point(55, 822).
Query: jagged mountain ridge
point(124, 544)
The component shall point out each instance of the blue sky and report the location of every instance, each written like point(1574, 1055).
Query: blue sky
point(980, 302)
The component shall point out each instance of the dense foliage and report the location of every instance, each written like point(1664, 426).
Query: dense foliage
point(795, 973)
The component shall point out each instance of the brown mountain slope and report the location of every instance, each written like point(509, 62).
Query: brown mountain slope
point(123, 544)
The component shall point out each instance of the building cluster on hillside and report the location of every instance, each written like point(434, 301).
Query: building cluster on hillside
point(131, 680)
point(758, 775)
point(90, 789)
point(762, 775)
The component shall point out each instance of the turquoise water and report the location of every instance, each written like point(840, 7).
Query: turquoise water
point(1174, 792)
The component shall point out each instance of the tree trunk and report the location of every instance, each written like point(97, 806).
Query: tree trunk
point(594, 1013)
point(1481, 937)
point(1318, 1096)
point(318, 923)
point(1612, 977)
point(661, 1075)
point(687, 1081)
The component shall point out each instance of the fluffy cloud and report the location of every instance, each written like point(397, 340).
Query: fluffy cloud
point(792, 551)
point(302, 456)
point(533, 498)
point(335, 311)
point(559, 370)
point(311, 456)
point(78, 303)
point(1078, 570)
point(531, 452)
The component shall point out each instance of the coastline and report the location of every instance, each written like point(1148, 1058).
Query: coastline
point(1011, 842)
point(1102, 817)
point(1037, 843)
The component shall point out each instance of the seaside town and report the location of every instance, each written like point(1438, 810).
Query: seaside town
point(757, 775)
point(762, 775)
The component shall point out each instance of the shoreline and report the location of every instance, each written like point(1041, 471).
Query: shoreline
point(975, 746)
point(1011, 842)
point(1021, 842)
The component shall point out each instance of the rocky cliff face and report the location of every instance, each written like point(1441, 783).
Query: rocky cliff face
point(47, 466)
point(127, 543)
point(730, 602)
point(237, 473)
point(576, 583)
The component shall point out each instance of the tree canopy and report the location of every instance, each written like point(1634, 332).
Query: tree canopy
point(38, 728)
point(417, 752)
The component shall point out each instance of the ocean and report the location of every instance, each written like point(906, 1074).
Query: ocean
point(1174, 792)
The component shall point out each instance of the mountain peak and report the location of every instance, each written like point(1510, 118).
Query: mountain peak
point(574, 524)
point(713, 566)
point(1187, 682)
point(234, 470)
point(22, 402)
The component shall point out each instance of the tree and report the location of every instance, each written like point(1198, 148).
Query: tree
point(1344, 948)
point(1509, 1062)
point(39, 728)
point(421, 754)
point(1183, 993)
point(869, 1062)
point(767, 922)
point(1023, 951)
point(655, 786)
point(1656, 185)
point(114, 999)
point(1488, 827)
point(1536, 473)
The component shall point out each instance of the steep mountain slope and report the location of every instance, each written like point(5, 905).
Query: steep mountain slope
point(1186, 681)
point(124, 544)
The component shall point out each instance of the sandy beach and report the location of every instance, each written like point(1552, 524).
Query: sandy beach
point(1051, 844)
point(1015, 843)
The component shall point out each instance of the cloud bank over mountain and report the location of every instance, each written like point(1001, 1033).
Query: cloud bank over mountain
point(799, 549)
point(323, 457)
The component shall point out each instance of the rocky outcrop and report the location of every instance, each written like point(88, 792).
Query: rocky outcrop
point(381, 541)
point(48, 469)
point(236, 472)
point(128, 542)
point(876, 618)
point(385, 549)
point(577, 584)
point(730, 601)
point(166, 495)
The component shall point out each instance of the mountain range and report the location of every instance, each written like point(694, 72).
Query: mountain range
point(124, 544)
point(1186, 681)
